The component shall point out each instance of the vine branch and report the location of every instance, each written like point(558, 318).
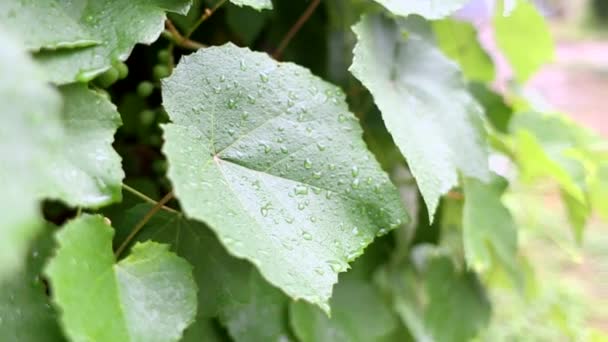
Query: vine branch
point(178, 39)
point(143, 222)
point(295, 28)
point(206, 14)
point(148, 199)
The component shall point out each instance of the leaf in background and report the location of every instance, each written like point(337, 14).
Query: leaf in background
point(496, 110)
point(458, 40)
point(245, 22)
point(430, 9)
point(257, 4)
point(549, 145)
point(44, 24)
point(524, 38)
point(30, 115)
point(85, 170)
point(270, 157)
point(436, 301)
point(489, 231)
point(599, 190)
point(113, 26)
point(359, 313)
point(148, 296)
point(425, 105)
point(458, 308)
point(229, 288)
point(25, 313)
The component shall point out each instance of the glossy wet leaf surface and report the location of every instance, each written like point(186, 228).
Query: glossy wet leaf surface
point(103, 32)
point(257, 4)
point(424, 103)
point(270, 157)
point(148, 296)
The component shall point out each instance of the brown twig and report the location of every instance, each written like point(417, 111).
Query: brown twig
point(206, 14)
point(143, 222)
point(295, 28)
point(179, 40)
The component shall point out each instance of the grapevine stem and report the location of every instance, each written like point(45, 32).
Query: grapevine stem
point(206, 14)
point(143, 222)
point(147, 199)
point(295, 28)
point(173, 34)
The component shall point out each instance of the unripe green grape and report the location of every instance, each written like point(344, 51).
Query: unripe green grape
point(160, 71)
point(106, 79)
point(123, 70)
point(163, 56)
point(145, 88)
point(147, 117)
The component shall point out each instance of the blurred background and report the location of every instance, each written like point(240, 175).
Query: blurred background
point(572, 279)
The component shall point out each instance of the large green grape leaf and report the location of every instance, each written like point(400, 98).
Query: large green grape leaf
point(257, 4)
point(113, 26)
point(30, 123)
point(458, 40)
point(359, 313)
point(424, 103)
point(489, 230)
point(148, 296)
point(25, 313)
point(44, 24)
point(229, 288)
point(430, 9)
point(270, 157)
point(525, 39)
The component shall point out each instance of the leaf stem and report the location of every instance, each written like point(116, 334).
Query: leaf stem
point(206, 14)
point(143, 222)
point(295, 28)
point(178, 39)
point(147, 199)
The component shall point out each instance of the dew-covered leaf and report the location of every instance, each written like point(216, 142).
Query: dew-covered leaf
point(148, 296)
point(257, 4)
point(424, 103)
point(458, 40)
point(270, 157)
point(44, 24)
point(229, 288)
point(525, 39)
point(430, 9)
point(489, 231)
point(104, 30)
point(359, 313)
point(25, 311)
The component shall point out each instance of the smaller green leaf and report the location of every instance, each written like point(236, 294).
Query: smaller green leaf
point(459, 41)
point(458, 308)
point(148, 296)
point(496, 110)
point(430, 9)
point(489, 231)
point(257, 4)
point(435, 300)
point(25, 313)
point(229, 288)
point(115, 27)
point(359, 313)
point(525, 39)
